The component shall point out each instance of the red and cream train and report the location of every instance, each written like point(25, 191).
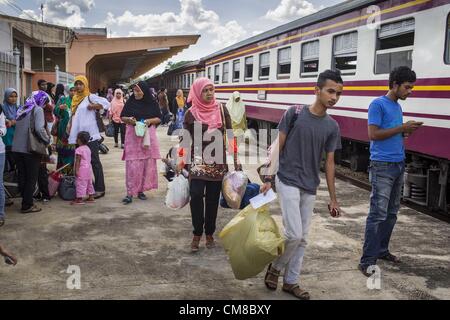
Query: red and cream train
point(365, 40)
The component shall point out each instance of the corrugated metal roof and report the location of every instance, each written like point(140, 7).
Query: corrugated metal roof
point(321, 15)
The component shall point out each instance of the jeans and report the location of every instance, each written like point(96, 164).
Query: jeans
point(297, 208)
point(204, 213)
point(2, 187)
point(28, 170)
point(97, 168)
point(119, 127)
point(387, 181)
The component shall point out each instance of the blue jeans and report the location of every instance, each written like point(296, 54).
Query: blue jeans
point(2, 188)
point(387, 181)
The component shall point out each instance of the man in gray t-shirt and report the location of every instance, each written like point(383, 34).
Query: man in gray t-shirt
point(304, 135)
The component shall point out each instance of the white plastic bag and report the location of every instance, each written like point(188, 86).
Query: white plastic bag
point(233, 188)
point(178, 193)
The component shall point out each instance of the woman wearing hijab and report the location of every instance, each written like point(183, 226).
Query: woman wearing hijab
point(48, 109)
point(141, 168)
point(27, 163)
point(236, 107)
point(9, 108)
point(66, 151)
point(3, 131)
point(59, 93)
point(116, 110)
point(84, 118)
point(178, 102)
point(206, 171)
point(110, 95)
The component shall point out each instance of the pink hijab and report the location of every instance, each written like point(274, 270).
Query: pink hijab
point(206, 113)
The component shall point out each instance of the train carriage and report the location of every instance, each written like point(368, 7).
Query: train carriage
point(365, 40)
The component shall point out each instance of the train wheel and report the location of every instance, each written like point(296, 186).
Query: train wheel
point(358, 163)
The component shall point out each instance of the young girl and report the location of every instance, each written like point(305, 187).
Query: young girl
point(83, 170)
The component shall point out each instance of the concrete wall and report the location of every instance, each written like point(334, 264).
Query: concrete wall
point(27, 58)
point(5, 36)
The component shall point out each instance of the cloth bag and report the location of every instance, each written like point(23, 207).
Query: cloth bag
point(109, 130)
point(35, 145)
point(178, 193)
point(234, 185)
point(67, 189)
point(252, 240)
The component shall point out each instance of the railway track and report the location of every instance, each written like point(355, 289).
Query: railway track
point(361, 180)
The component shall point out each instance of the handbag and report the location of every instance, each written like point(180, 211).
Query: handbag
point(98, 118)
point(67, 189)
point(171, 128)
point(35, 144)
point(109, 130)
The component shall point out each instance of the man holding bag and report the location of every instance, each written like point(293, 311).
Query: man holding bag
point(304, 134)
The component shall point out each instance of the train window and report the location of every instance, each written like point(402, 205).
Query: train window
point(395, 45)
point(264, 66)
point(447, 42)
point(284, 62)
point(209, 73)
point(225, 72)
point(236, 70)
point(248, 69)
point(345, 52)
point(216, 74)
point(310, 59)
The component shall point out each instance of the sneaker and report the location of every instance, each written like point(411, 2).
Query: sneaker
point(45, 200)
point(210, 242)
point(195, 244)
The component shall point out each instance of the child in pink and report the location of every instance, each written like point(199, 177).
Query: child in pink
point(83, 170)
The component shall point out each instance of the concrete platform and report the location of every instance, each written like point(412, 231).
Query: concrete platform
point(141, 251)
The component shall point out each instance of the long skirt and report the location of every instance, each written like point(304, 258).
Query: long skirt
point(141, 176)
point(66, 155)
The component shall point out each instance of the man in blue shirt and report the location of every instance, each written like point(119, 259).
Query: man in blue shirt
point(387, 166)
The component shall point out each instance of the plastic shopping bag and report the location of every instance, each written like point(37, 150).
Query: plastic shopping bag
point(140, 128)
point(233, 188)
point(252, 240)
point(178, 194)
point(54, 179)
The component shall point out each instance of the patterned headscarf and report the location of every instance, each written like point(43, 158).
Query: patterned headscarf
point(37, 99)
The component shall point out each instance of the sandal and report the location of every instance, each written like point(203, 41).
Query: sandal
point(271, 284)
point(391, 258)
point(296, 291)
point(127, 200)
point(31, 210)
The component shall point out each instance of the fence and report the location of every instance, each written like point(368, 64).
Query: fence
point(7, 73)
point(63, 77)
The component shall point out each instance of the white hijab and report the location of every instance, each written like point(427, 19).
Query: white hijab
point(236, 109)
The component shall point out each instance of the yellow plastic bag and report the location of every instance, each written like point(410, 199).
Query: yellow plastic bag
point(252, 240)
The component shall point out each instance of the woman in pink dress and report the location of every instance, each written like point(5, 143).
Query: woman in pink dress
point(83, 170)
point(141, 167)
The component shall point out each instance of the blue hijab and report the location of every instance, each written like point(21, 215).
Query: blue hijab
point(10, 110)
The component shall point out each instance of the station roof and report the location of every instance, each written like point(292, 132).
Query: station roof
point(117, 60)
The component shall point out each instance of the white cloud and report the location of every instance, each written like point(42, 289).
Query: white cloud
point(192, 18)
point(65, 13)
point(289, 10)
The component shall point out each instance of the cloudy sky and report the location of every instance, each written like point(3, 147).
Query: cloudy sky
point(220, 23)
